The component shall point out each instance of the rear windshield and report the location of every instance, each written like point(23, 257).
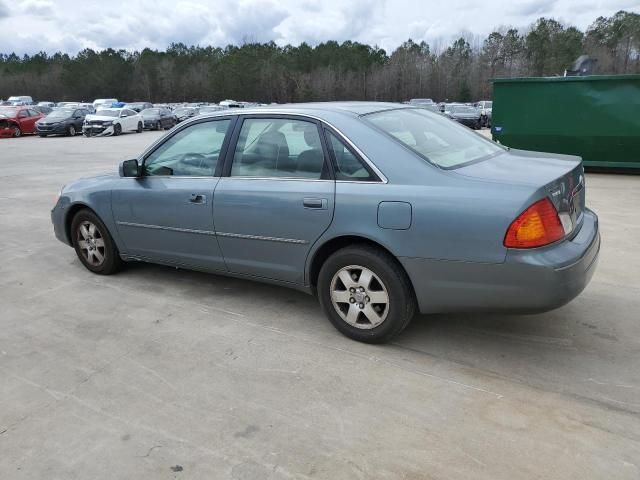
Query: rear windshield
point(435, 138)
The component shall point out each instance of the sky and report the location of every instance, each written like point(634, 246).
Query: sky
point(29, 26)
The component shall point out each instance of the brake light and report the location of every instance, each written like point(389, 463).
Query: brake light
point(537, 226)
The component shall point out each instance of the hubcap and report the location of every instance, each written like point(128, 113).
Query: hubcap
point(91, 243)
point(359, 297)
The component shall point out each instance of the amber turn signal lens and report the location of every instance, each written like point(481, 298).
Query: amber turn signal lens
point(537, 226)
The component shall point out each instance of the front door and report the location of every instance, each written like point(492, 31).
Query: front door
point(167, 214)
point(277, 199)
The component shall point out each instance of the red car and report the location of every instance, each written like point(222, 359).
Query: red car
point(16, 121)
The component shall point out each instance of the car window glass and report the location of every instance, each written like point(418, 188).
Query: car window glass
point(347, 165)
point(23, 114)
point(281, 148)
point(191, 152)
point(442, 142)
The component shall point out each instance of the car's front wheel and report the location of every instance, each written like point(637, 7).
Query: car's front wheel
point(117, 129)
point(17, 132)
point(366, 294)
point(139, 129)
point(71, 131)
point(93, 244)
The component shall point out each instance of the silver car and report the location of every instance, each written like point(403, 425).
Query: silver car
point(381, 210)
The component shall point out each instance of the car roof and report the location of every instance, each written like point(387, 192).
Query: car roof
point(317, 109)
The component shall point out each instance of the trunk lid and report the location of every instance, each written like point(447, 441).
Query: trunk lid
point(559, 177)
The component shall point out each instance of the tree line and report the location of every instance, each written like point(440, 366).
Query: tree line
point(266, 72)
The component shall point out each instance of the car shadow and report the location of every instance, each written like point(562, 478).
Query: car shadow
point(555, 351)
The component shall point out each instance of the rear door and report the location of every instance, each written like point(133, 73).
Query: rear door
point(275, 198)
point(167, 214)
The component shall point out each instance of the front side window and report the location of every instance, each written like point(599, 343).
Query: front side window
point(192, 152)
point(442, 142)
point(347, 165)
point(279, 148)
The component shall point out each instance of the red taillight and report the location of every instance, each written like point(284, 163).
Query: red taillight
point(538, 225)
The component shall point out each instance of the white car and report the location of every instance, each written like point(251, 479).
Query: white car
point(112, 121)
point(104, 102)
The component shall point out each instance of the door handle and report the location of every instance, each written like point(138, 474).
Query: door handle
point(319, 203)
point(197, 198)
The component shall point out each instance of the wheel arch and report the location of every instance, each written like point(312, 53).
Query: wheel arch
point(71, 213)
point(326, 249)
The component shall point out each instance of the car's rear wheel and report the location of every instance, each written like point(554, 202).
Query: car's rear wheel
point(366, 294)
point(117, 129)
point(71, 131)
point(93, 244)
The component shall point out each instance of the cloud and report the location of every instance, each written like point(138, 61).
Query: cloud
point(533, 7)
point(72, 25)
point(4, 10)
point(40, 8)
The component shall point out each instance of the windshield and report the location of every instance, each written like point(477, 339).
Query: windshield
point(8, 111)
point(108, 113)
point(488, 104)
point(150, 112)
point(60, 113)
point(435, 138)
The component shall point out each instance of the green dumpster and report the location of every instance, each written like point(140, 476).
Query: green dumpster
point(596, 117)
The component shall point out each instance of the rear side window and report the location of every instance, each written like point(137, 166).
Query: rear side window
point(347, 165)
point(442, 142)
point(278, 148)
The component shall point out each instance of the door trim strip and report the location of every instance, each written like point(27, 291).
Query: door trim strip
point(171, 229)
point(219, 234)
point(260, 237)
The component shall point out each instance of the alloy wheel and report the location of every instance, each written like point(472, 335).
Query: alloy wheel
point(359, 297)
point(91, 243)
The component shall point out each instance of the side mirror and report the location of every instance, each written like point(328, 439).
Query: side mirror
point(129, 168)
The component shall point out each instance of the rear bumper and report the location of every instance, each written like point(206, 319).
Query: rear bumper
point(529, 281)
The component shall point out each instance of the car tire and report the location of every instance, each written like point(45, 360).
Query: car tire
point(139, 129)
point(17, 132)
point(93, 244)
point(42, 135)
point(71, 131)
point(117, 129)
point(158, 126)
point(371, 310)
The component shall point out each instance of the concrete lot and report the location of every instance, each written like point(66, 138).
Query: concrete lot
point(158, 373)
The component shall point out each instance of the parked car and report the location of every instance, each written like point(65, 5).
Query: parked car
point(158, 119)
point(16, 121)
point(62, 121)
point(112, 121)
point(464, 114)
point(379, 209)
point(20, 100)
point(486, 108)
point(138, 106)
point(99, 103)
point(209, 109)
point(42, 109)
point(46, 104)
point(184, 113)
point(421, 101)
